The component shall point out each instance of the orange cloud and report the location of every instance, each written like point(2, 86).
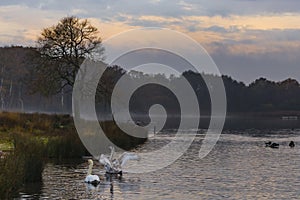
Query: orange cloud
point(26, 24)
point(261, 22)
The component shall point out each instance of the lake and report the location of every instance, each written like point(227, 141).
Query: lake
point(239, 167)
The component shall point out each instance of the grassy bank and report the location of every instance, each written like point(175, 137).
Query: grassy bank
point(29, 140)
point(23, 165)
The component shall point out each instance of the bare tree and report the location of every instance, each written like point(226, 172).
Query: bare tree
point(1, 93)
point(62, 49)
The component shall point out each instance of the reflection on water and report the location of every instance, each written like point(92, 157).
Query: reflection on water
point(239, 167)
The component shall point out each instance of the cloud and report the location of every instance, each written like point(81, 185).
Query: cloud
point(20, 21)
point(110, 17)
point(246, 7)
point(166, 7)
point(248, 67)
point(187, 6)
point(247, 38)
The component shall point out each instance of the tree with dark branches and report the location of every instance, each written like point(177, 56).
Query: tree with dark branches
point(62, 48)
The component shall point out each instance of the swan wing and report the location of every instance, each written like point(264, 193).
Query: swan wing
point(112, 149)
point(127, 156)
point(96, 178)
point(104, 160)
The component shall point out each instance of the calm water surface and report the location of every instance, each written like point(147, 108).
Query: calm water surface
point(239, 167)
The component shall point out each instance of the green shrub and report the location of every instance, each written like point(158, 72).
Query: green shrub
point(65, 146)
point(25, 164)
point(11, 176)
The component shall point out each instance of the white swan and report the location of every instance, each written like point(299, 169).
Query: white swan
point(91, 179)
point(114, 166)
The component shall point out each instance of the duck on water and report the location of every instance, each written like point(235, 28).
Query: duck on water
point(292, 144)
point(276, 145)
point(272, 144)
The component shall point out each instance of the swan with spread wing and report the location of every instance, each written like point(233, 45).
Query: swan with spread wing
point(114, 166)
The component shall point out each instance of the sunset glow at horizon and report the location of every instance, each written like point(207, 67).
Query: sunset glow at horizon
point(247, 39)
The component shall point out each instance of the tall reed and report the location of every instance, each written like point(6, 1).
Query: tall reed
point(25, 164)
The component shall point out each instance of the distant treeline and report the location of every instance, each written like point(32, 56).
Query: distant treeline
point(16, 73)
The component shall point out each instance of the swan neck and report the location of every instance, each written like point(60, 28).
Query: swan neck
point(89, 172)
point(112, 153)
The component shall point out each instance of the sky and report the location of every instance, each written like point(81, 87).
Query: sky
point(247, 39)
